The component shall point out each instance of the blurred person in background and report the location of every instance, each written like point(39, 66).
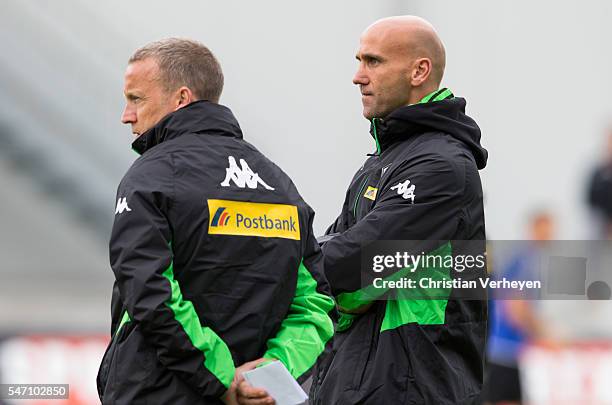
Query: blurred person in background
point(600, 192)
point(421, 184)
point(514, 322)
point(216, 266)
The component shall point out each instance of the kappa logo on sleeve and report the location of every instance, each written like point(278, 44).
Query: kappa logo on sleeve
point(405, 190)
point(243, 218)
point(122, 206)
point(242, 176)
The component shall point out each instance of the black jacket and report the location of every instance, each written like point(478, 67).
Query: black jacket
point(600, 191)
point(215, 265)
point(411, 351)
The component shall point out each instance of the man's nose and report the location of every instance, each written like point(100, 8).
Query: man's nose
point(129, 115)
point(360, 77)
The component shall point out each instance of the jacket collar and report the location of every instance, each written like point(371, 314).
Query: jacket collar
point(197, 117)
point(379, 128)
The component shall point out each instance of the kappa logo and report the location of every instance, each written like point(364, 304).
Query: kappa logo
point(122, 206)
point(220, 218)
point(242, 176)
point(405, 190)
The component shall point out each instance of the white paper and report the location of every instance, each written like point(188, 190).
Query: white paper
point(278, 382)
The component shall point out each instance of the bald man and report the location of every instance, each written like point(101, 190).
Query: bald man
point(421, 184)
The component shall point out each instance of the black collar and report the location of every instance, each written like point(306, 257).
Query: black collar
point(197, 117)
point(408, 121)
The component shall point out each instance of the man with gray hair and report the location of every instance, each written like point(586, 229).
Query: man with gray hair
point(216, 266)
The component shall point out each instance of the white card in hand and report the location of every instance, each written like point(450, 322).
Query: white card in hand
point(278, 382)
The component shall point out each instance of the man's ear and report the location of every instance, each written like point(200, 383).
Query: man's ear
point(421, 71)
point(184, 97)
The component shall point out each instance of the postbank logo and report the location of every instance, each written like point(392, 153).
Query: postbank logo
point(253, 219)
point(371, 193)
point(221, 218)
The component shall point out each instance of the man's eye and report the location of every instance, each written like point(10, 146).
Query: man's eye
point(373, 62)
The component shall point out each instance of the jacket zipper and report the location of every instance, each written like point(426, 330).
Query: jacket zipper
point(358, 197)
point(376, 135)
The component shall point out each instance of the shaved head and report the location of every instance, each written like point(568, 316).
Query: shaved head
point(402, 60)
point(416, 37)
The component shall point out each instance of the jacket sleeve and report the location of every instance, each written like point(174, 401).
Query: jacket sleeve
point(142, 260)
point(308, 327)
point(419, 201)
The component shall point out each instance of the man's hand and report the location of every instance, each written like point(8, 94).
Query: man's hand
point(247, 394)
point(229, 398)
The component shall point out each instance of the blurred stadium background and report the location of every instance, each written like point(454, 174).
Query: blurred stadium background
point(536, 76)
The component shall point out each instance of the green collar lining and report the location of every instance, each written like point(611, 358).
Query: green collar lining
point(438, 95)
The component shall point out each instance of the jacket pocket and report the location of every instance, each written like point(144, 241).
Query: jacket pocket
point(107, 362)
point(130, 365)
point(368, 344)
point(134, 362)
point(344, 373)
point(102, 376)
point(404, 349)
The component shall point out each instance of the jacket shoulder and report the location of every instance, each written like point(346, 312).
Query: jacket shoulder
point(435, 154)
point(151, 172)
point(440, 144)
